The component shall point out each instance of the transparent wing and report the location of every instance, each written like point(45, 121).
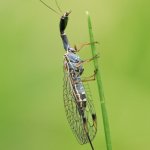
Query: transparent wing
point(74, 118)
point(79, 125)
point(90, 114)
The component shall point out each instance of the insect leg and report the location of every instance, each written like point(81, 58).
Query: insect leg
point(87, 60)
point(90, 78)
point(82, 45)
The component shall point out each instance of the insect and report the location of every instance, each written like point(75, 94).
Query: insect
point(76, 93)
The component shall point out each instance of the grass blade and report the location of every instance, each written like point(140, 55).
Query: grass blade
point(100, 87)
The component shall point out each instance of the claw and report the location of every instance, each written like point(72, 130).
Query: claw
point(95, 42)
point(96, 56)
point(95, 71)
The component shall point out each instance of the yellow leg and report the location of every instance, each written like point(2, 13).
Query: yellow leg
point(90, 78)
point(87, 60)
point(82, 45)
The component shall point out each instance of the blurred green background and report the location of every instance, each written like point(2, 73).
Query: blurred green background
point(32, 115)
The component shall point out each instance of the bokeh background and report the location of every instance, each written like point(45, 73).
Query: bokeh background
point(32, 115)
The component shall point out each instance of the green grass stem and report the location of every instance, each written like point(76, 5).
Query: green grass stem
point(100, 87)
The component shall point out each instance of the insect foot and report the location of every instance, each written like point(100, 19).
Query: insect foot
point(95, 71)
point(96, 56)
point(95, 42)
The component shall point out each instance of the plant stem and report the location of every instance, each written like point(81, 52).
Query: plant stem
point(100, 88)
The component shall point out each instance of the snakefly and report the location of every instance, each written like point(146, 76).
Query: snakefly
point(76, 93)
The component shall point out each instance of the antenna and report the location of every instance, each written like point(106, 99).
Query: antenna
point(58, 6)
point(51, 8)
